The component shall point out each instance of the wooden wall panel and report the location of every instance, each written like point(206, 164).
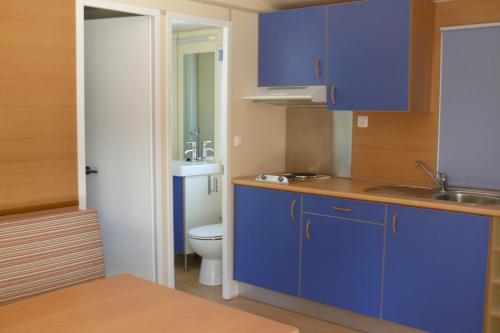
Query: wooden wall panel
point(422, 42)
point(37, 104)
point(388, 149)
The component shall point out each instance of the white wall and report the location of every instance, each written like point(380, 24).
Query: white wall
point(262, 127)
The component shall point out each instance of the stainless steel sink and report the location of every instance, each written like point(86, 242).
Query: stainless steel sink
point(454, 195)
point(469, 198)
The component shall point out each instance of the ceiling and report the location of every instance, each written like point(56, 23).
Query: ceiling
point(268, 5)
point(271, 5)
point(283, 4)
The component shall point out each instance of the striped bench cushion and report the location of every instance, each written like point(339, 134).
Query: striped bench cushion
point(49, 252)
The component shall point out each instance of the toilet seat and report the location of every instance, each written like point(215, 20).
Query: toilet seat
point(206, 232)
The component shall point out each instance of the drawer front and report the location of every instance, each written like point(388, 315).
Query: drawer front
point(349, 209)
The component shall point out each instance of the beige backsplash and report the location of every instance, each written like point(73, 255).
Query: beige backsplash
point(309, 140)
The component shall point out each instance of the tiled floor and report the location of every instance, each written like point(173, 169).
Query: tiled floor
point(188, 282)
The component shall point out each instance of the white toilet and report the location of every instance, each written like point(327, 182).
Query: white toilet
point(206, 241)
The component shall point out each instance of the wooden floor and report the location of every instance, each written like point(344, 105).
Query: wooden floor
point(188, 282)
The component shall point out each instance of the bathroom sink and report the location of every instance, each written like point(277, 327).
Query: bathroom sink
point(470, 198)
point(196, 168)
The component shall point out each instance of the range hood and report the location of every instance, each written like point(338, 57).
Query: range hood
point(305, 96)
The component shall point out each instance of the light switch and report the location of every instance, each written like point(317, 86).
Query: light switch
point(237, 141)
point(363, 121)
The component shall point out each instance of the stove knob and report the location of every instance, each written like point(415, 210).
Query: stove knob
point(281, 179)
point(264, 177)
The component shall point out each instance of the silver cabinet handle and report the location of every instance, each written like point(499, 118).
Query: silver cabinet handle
point(318, 69)
point(342, 209)
point(332, 94)
point(308, 230)
point(395, 224)
point(292, 209)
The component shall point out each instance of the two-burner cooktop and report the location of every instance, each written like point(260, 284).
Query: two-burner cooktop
point(287, 178)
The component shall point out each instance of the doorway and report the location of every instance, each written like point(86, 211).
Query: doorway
point(198, 118)
point(119, 159)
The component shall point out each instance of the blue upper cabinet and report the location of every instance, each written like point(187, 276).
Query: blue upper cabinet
point(369, 55)
point(435, 270)
point(267, 238)
point(292, 47)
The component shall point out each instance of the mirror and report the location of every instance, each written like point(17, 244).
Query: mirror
point(197, 69)
point(198, 98)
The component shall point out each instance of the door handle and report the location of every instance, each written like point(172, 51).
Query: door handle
point(89, 171)
point(333, 91)
point(292, 209)
point(308, 230)
point(318, 69)
point(395, 224)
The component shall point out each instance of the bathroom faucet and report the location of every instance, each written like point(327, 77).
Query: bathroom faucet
point(206, 149)
point(439, 178)
point(193, 151)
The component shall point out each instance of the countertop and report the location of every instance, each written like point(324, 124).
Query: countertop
point(355, 189)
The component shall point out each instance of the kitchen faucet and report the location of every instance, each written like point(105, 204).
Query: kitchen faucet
point(439, 178)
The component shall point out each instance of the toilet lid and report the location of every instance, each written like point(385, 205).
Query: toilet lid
point(210, 231)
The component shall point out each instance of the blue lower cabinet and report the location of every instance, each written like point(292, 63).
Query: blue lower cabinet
point(178, 200)
point(435, 270)
point(267, 239)
point(342, 263)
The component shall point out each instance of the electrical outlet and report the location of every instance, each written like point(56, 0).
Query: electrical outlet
point(363, 121)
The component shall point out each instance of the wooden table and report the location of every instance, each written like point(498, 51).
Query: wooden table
point(128, 304)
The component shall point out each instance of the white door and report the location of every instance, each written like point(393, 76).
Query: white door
point(118, 140)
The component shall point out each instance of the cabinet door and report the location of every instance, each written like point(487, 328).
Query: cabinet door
point(178, 200)
point(292, 47)
point(435, 270)
point(368, 55)
point(342, 263)
point(266, 239)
